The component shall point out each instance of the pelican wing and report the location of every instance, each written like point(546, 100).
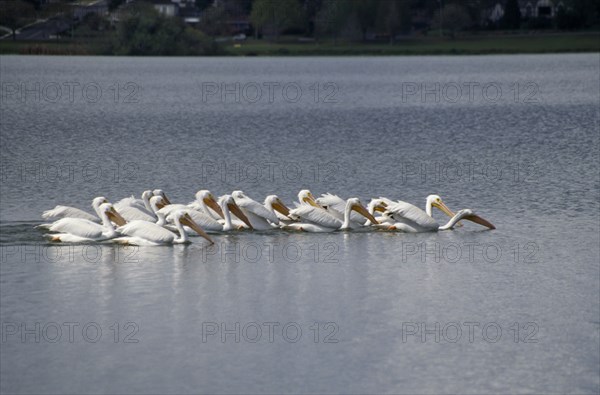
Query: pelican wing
point(316, 215)
point(59, 212)
point(257, 209)
point(168, 209)
point(131, 213)
point(78, 227)
point(131, 201)
point(205, 221)
point(402, 210)
point(337, 204)
point(147, 231)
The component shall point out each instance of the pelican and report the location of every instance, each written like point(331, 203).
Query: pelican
point(262, 217)
point(59, 211)
point(144, 233)
point(146, 213)
point(409, 218)
point(432, 201)
point(204, 220)
point(318, 219)
point(336, 206)
point(142, 204)
point(229, 206)
point(159, 192)
point(306, 197)
point(75, 230)
point(206, 202)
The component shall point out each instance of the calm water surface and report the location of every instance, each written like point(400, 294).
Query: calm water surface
point(515, 310)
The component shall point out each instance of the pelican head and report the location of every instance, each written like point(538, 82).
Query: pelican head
point(157, 202)
point(436, 201)
point(159, 192)
point(184, 218)
point(238, 195)
point(98, 201)
point(146, 195)
point(355, 205)
point(208, 198)
point(227, 202)
point(379, 205)
point(470, 215)
point(276, 203)
point(112, 214)
point(304, 196)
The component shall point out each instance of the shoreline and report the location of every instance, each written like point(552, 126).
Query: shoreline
point(580, 42)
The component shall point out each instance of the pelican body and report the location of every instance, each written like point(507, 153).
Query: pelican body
point(77, 230)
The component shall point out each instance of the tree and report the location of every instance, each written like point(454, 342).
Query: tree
point(453, 18)
point(203, 4)
point(512, 15)
point(146, 32)
point(394, 17)
point(15, 14)
point(277, 15)
point(332, 17)
point(366, 14)
point(214, 21)
point(114, 4)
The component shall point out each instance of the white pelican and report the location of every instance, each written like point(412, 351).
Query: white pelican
point(205, 221)
point(159, 192)
point(229, 206)
point(409, 218)
point(431, 202)
point(306, 197)
point(133, 212)
point(377, 205)
point(142, 204)
point(144, 233)
point(206, 202)
point(336, 206)
point(59, 211)
point(318, 219)
point(75, 230)
point(262, 217)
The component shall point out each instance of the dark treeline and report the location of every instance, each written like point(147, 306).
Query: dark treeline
point(139, 28)
point(372, 19)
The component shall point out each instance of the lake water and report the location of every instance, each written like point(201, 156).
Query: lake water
point(514, 310)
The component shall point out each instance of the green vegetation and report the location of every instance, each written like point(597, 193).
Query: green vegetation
point(302, 27)
point(14, 14)
point(287, 46)
point(466, 45)
point(145, 32)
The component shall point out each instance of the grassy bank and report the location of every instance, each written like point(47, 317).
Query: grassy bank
point(467, 45)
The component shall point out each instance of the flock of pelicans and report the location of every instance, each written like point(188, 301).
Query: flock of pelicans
point(154, 220)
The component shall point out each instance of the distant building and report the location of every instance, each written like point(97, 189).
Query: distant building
point(81, 10)
point(528, 8)
point(165, 7)
point(190, 15)
point(539, 8)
